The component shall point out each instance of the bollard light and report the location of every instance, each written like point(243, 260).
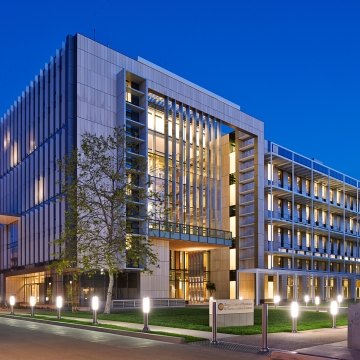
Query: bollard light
point(32, 304)
point(214, 323)
point(317, 302)
point(95, 308)
point(12, 302)
point(334, 309)
point(294, 311)
point(339, 299)
point(59, 305)
point(146, 310)
point(277, 300)
point(306, 299)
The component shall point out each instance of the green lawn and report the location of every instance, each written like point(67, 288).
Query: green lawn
point(196, 318)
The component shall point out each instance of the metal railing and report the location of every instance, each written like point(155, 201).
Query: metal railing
point(188, 230)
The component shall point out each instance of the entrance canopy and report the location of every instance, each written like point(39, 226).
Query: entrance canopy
point(6, 219)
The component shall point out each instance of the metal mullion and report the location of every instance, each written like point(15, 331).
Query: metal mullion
point(187, 144)
point(201, 167)
point(174, 140)
point(207, 165)
point(166, 140)
point(181, 164)
point(194, 182)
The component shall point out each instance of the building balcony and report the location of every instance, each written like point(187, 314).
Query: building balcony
point(176, 231)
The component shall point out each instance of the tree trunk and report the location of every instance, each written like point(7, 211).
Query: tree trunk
point(109, 294)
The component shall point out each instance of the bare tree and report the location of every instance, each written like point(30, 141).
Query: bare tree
point(97, 185)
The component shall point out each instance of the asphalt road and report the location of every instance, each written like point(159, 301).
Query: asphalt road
point(23, 340)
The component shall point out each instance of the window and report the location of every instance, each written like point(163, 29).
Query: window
point(308, 242)
point(308, 213)
point(323, 192)
point(338, 197)
point(280, 178)
point(289, 182)
point(298, 184)
point(316, 190)
point(299, 238)
point(232, 210)
point(307, 185)
point(331, 195)
point(316, 242)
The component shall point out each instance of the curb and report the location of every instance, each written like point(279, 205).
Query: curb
point(289, 355)
point(157, 337)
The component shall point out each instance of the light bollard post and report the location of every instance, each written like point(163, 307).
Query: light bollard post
point(317, 302)
point(214, 323)
point(294, 314)
point(12, 302)
point(95, 308)
point(32, 305)
point(146, 310)
point(264, 328)
point(59, 304)
point(334, 309)
point(306, 299)
point(339, 299)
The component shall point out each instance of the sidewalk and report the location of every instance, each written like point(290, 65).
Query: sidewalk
point(327, 342)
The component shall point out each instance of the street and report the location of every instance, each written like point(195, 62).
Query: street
point(21, 340)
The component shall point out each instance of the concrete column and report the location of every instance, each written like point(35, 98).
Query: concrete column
point(327, 288)
point(338, 286)
point(2, 288)
point(321, 285)
point(283, 286)
point(296, 287)
point(352, 289)
point(312, 288)
point(304, 286)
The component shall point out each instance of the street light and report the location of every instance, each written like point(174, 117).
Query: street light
point(12, 302)
point(306, 299)
point(334, 309)
point(277, 300)
point(294, 310)
point(95, 308)
point(146, 310)
point(339, 299)
point(59, 305)
point(317, 302)
point(32, 304)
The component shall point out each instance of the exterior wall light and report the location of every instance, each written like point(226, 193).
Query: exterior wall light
point(12, 302)
point(146, 310)
point(59, 305)
point(339, 299)
point(294, 311)
point(334, 309)
point(95, 308)
point(32, 304)
point(277, 300)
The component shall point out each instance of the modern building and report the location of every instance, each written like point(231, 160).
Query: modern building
point(231, 196)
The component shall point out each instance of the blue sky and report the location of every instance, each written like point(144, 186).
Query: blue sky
point(294, 64)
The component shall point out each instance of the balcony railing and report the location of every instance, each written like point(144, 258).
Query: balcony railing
point(189, 232)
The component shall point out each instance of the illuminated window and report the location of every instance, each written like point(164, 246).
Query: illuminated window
point(323, 192)
point(270, 232)
point(270, 168)
point(308, 240)
point(338, 197)
point(270, 202)
point(316, 189)
point(331, 195)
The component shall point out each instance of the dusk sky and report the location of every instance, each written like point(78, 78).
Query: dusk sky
point(293, 64)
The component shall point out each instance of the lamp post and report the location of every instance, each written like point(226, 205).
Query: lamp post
point(334, 309)
point(294, 310)
point(317, 302)
point(32, 305)
point(146, 310)
point(12, 302)
point(95, 308)
point(277, 300)
point(306, 299)
point(59, 304)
